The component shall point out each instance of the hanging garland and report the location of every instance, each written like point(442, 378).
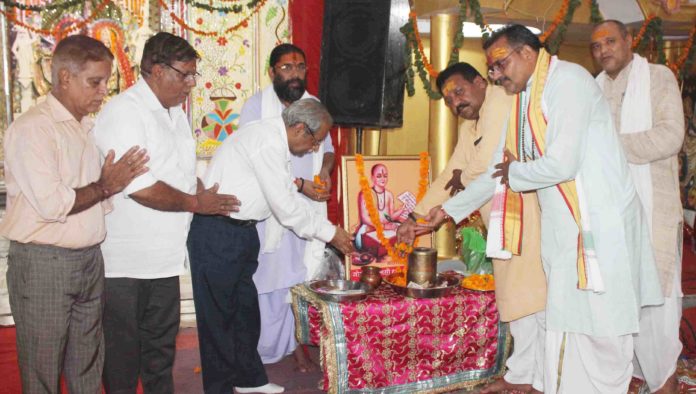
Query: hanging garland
point(237, 8)
point(117, 48)
point(414, 49)
point(399, 252)
point(651, 30)
point(686, 58)
point(58, 30)
point(561, 26)
point(595, 15)
point(256, 4)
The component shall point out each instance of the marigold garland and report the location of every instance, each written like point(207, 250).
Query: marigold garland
point(560, 15)
point(398, 253)
point(56, 31)
point(256, 4)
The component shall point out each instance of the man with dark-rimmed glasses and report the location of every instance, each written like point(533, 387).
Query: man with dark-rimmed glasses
point(145, 246)
point(595, 246)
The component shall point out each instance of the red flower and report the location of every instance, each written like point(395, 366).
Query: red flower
point(245, 23)
point(208, 85)
point(199, 21)
point(238, 85)
point(222, 41)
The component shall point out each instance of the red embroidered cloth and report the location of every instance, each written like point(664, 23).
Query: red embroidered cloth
point(390, 343)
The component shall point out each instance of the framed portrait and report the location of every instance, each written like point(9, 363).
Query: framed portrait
point(392, 186)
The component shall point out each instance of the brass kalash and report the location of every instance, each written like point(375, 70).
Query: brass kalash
point(422, 279)
point(422, 267)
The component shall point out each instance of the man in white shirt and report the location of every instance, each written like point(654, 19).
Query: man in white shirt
point(254, 164)
point(294, 259)
point(145, 247)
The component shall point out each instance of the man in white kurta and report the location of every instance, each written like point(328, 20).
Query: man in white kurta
point(646, 106)
point(291, 260)
point(588, 342)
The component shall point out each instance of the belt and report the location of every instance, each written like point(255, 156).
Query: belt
point(236, 222)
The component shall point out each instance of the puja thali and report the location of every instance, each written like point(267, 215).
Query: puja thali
point(339, 290)
point(444, 286)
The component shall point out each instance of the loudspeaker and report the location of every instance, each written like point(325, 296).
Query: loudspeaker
point(362, 62)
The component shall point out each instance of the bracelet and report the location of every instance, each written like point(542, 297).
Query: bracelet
point(299, 189)
point(412, 217)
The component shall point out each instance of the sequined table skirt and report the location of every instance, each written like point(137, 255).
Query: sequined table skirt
point(387, 343)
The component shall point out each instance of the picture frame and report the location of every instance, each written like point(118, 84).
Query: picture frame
point(394, 189)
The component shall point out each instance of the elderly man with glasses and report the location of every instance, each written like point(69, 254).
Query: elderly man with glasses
point(595, 245)
point(289, 259)
point(254, 164)
point(145, 246)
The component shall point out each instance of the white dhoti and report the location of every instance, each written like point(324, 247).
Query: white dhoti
point(585, 364)
point(657, 346)
point(526, 363)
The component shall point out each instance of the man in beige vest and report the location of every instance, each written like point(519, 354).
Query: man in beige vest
point(647, 111)
point(520, 282)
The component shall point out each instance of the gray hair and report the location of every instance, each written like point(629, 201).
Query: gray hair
point(308, 111)
point(73, 53)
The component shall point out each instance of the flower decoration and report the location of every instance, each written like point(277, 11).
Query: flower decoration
point(399, 252)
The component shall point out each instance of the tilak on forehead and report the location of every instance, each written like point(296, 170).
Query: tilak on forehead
point(600, 33)
point(450, 85)
point(496, 54)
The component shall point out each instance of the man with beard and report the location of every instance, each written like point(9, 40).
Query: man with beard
point(285, 258)
point(646, 106)
point(520, 282)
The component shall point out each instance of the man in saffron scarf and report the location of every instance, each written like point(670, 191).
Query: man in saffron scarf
point(560, 142)
point(647, 109)
point(520, 283)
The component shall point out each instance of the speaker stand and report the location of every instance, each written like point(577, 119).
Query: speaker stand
point(359, 140)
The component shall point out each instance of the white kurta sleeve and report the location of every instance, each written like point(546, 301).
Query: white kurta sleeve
point(284, 202)
point(568, 117)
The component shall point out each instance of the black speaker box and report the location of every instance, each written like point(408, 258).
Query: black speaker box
point(362, 62)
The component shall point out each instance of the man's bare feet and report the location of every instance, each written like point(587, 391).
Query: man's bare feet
point(501, 385)
point(304, 362)
point(671, 386)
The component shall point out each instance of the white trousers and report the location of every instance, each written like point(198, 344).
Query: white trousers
point(584, 364)
point(526, 363)
point(657, 346)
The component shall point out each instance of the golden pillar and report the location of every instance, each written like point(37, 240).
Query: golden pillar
point(442, 127)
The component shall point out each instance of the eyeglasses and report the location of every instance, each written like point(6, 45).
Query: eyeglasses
point(499, 66)
point(184, 76)
point(289, 67)
point(315, 141)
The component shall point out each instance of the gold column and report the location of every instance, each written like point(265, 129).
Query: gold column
point(442, 128)
point(371, 142)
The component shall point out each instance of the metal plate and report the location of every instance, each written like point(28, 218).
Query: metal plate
point(339, 290)
point(450, 282)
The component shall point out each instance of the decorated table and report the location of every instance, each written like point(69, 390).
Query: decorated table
point(388, 343)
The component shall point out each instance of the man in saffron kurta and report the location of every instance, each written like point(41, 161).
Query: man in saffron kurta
point(598, 274)
point(520, 282)
point(646, 106)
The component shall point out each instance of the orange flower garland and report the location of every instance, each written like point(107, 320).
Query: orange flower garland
point(426, 63)
point(556, 21)
point(641, 32)
point(684, 55)
point(243, 23)
point(399, 251)
point(59, 33)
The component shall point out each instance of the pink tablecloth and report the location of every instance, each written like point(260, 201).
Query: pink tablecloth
point(388, 343)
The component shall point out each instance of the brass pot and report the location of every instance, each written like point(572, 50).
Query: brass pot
point(370, 276)
point(422, 267)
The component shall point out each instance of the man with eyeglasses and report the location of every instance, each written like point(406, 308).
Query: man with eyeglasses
point(145, 246)
point(595, 246)
point(286, 259)
point(520, 282)
point(254, 164)
point(647, 109)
